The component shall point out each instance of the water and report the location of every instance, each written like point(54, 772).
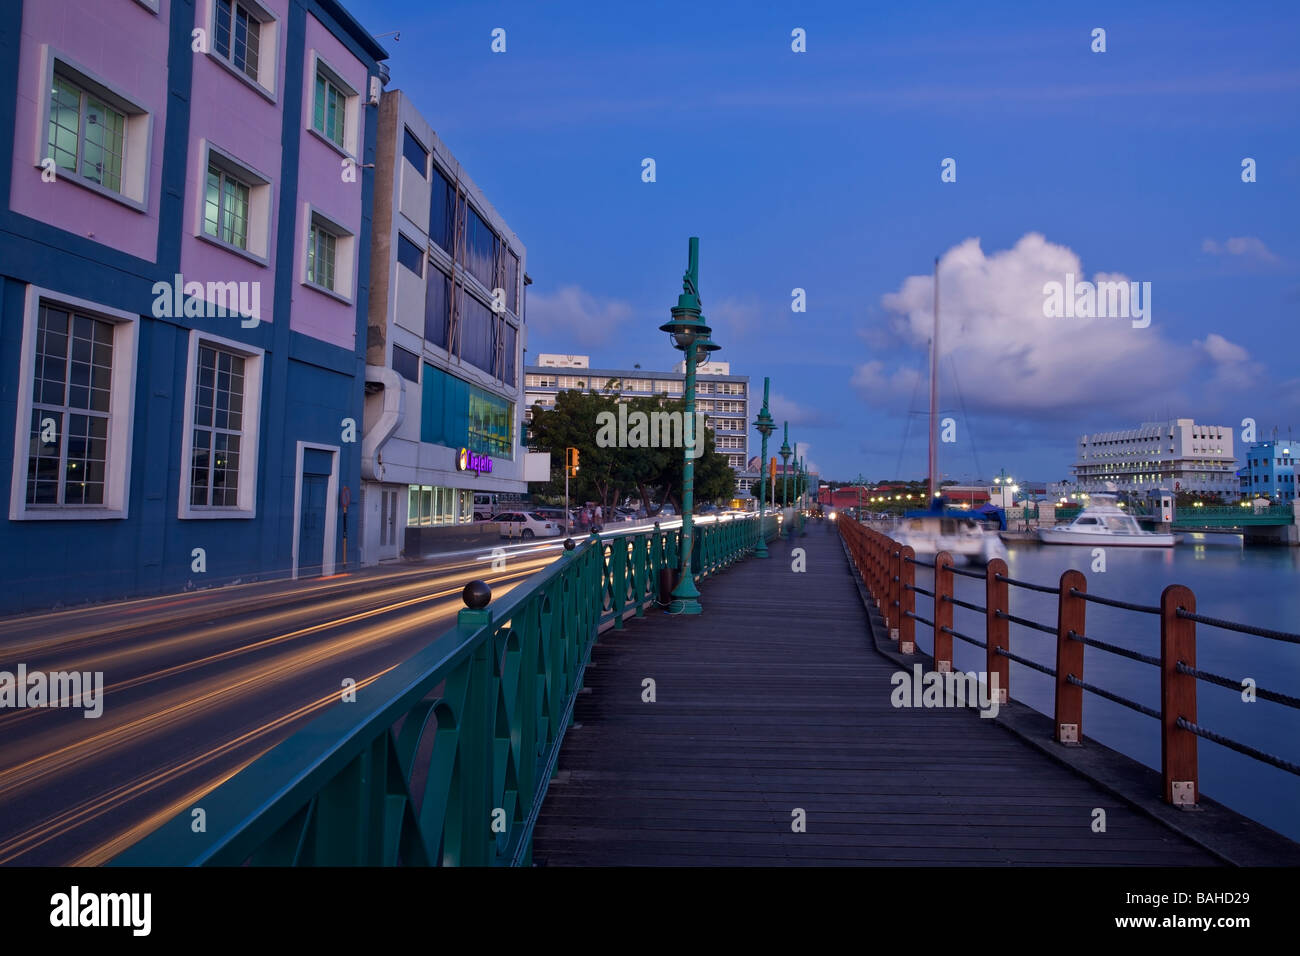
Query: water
point(1259, 586)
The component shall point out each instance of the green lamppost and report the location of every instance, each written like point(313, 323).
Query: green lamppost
point(690, 334)
point(785, 454)
point(765, 426)
point(804, 501)
point(861, 481)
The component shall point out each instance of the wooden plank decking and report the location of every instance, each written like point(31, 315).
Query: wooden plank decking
point(774, 699)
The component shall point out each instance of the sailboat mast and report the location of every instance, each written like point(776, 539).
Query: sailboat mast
point(934, 388)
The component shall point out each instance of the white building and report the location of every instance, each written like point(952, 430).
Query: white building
point(445, 345)
point(1178, 455)
point(723, 397)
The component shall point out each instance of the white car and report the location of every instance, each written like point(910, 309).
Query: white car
point(525, 524)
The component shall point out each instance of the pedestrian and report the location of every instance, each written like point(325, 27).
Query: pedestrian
point(600, 517)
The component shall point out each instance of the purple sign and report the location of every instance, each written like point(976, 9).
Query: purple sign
point(475, 462)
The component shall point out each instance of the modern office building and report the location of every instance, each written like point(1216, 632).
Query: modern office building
point(1270, 471)
point(182, 299)
point(723, 397)
point(1178, 455)
point(445, 345)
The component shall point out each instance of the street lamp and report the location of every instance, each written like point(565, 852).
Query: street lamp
point(861, 481)
point(785, 476)
point(690, 334)
point(765, 426)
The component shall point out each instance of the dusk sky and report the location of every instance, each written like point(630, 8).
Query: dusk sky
point(821, 170)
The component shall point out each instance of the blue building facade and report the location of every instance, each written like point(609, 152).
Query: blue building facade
point(1270, 471)
point(147, 449)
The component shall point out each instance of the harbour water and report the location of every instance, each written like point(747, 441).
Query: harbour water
point(1257, 585)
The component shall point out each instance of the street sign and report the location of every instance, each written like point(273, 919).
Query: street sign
point(345, 497)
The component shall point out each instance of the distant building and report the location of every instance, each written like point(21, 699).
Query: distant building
point(1179, 455)
point(723, 397)
point(1270, 471)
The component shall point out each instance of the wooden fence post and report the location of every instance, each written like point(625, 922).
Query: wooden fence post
point(942, 612)
point(997, 630)
point(907, 603)
point(1071, 612)
point(1178, 760)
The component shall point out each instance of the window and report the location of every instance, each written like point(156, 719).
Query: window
point(406, 364)
point(237, 37)
point(226, 208)
point(455, 413)
point(322, 255)
point(87, 136)
point(75, 392)
point(477, 332)
point(218, 418)
point(415, 153)
point(442, 207)
point(437, 297)
point(410, 255)
point(331, 110)
point(480, 249)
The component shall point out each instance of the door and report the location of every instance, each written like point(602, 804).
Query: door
point(317, 466)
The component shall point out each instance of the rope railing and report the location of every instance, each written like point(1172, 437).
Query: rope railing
point(887, 570)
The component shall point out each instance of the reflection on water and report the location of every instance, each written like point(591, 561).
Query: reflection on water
point(1257, 585)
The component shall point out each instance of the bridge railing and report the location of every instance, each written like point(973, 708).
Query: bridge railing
point(445, 758)
point(888, 571)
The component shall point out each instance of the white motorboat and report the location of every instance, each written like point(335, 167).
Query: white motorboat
point(1105, 524)
point(962, 537)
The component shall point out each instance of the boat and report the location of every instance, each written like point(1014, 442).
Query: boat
point(1105, 523)
point(940, 528)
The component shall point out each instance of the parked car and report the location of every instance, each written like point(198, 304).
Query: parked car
point(527, 524)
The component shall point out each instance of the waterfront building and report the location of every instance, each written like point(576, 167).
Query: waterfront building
point(1270, 471)
point(182, 298)
point(723, 397)
point(445, 345)
point(1179, 455)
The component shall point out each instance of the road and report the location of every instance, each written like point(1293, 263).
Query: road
point(197, 686)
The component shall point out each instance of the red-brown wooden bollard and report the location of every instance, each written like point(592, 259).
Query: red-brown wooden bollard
point(942, 612)
point(894, 575)
point(1071, 612)
point(997, 629)
point(907, 603)
point(1178, 764)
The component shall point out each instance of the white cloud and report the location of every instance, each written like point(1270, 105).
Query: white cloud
point(571, 317)
point(786, 410)
point(1011, 358)
point(1247, 247)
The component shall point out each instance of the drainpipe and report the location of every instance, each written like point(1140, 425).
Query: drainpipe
point(390, 418)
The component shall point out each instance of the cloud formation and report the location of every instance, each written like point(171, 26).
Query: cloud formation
point(575, 317)
point(1246, 247)
point(1014, 359)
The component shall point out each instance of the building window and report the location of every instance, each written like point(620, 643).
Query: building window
point(322, 255)
point(226, 208)
point(71, 399)
point(455, 413)
point(75, 392)
point(437, 298)
point(442, 206)
point(237, 37)
point(331, 110)
point(406, 364)
point(415, 153)
point(87, 136)
point(217, 430)
point(410, 255)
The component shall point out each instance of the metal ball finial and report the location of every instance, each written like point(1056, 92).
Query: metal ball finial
point(476, 595)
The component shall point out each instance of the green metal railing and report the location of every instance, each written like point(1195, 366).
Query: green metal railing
point(1233, 516)
point(445, 758)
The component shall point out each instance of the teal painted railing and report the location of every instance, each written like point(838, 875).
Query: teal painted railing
point(445, 759)
point(1233, 516)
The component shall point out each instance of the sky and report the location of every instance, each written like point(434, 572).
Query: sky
point(822, 170)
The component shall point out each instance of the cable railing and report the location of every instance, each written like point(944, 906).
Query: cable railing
point(888, 571)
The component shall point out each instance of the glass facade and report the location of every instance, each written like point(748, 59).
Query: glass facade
point(430, 505)
point(456, 414)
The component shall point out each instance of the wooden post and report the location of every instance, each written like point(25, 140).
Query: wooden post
point(891, 619)
point(1178, 763)
point(907, 603)
point(942, 612)
point(1069, 659)
point(996, 629)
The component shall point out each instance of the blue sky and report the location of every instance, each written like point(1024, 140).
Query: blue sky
point(821, 170)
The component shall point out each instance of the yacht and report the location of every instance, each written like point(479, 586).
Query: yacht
point(1105, 523)
point(957, 532)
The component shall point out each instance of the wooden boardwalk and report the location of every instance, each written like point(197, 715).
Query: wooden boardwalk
point(775, 700)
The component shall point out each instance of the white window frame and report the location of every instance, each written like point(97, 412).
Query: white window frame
point(268, 48)
point(345, 258)
point(137, 144)
point(250, 434)
point(351, 106)
point(261, 203)
point(117, 470)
